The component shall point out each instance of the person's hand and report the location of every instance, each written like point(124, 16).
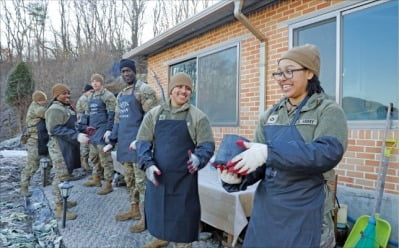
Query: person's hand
point(106, 136)
point(193, 162)
point(132, 145)
point(83, 138)
point(90, 130)
point(249, 160)
point(229, 177)
point(107, 148)
point(150, 174)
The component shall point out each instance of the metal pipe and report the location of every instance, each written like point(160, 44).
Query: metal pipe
point(244, 20)
point(262, 53)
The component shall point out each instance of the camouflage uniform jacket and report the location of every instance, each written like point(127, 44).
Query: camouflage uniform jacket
point(61, 126)
point(104, 95)
point(197, 124)
point(57, 115)
point(144, 93)
point(319, 117)
point(81, 105)
point(34, 115)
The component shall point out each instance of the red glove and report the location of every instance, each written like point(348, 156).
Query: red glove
point(230, 165)
point(90, 131)
point(249, 160)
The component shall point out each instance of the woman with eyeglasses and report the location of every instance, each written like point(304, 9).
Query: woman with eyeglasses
point(297, 144)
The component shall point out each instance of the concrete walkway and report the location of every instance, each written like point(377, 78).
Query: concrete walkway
point(96, 225)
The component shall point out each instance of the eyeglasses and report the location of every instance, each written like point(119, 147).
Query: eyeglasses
point(288, 74)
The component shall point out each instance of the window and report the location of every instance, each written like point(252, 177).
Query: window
point(216, 87)
point(370, 62)
point(323, 35)
point(365, 79)
point(189, 67)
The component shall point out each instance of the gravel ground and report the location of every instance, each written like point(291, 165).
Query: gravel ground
point(30, 222)
point(96, 225)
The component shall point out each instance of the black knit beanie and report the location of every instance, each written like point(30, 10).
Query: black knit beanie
point(127, 63)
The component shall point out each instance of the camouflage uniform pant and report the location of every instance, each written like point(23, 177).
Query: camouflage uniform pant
point(84, 152)
point(59, 167)
point(96, 171)
point(104, 163)
point(135, 182)
point(327, 230)
point(33, 162)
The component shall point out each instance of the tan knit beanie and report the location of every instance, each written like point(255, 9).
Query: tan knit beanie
point(307, 55)
point(97, 77)
point(178, 79)
point(59, 89)
point(38, 96)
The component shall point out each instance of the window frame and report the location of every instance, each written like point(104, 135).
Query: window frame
point(206, 52)
point(338, 14)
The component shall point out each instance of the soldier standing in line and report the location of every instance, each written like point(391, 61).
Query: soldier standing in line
point(64, 142)
point(133, 102)
point(81, 105)
point(174, 141)
point(37, 141)
point(99, 116)
point(293, 190)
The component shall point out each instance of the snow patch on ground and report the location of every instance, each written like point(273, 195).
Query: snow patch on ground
point(13, 153)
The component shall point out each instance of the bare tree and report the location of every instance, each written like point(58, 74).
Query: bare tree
point(64, 27)
point(133, 17)
point(167, 14)
point(156, 15)
point(117, 27)
point(37, 12)
point(15, 21)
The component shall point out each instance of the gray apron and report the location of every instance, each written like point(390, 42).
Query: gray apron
point(288, 206)
point(173, 209)
point(98, 119)
point(130, 117)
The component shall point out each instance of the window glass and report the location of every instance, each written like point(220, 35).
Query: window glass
point(323, 35)
point(370, 62)
point(189, 67)
point(217, 86)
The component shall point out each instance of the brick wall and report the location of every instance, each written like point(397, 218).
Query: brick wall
point(360, 164)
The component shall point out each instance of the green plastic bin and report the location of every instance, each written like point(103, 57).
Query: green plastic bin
point(382, 232)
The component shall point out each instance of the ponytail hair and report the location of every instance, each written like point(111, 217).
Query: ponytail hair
point(314, 86)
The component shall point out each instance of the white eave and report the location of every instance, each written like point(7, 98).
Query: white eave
point(215, 16)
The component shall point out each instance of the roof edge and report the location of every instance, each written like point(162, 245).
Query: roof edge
point(140, 50)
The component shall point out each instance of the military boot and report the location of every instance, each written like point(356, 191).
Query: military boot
point(134, 213)
point(107, 189)
point(58, 212)
point(95, 181)
point(24, 190)
point(140, 225)
point(71, 177)
point(157, 243)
